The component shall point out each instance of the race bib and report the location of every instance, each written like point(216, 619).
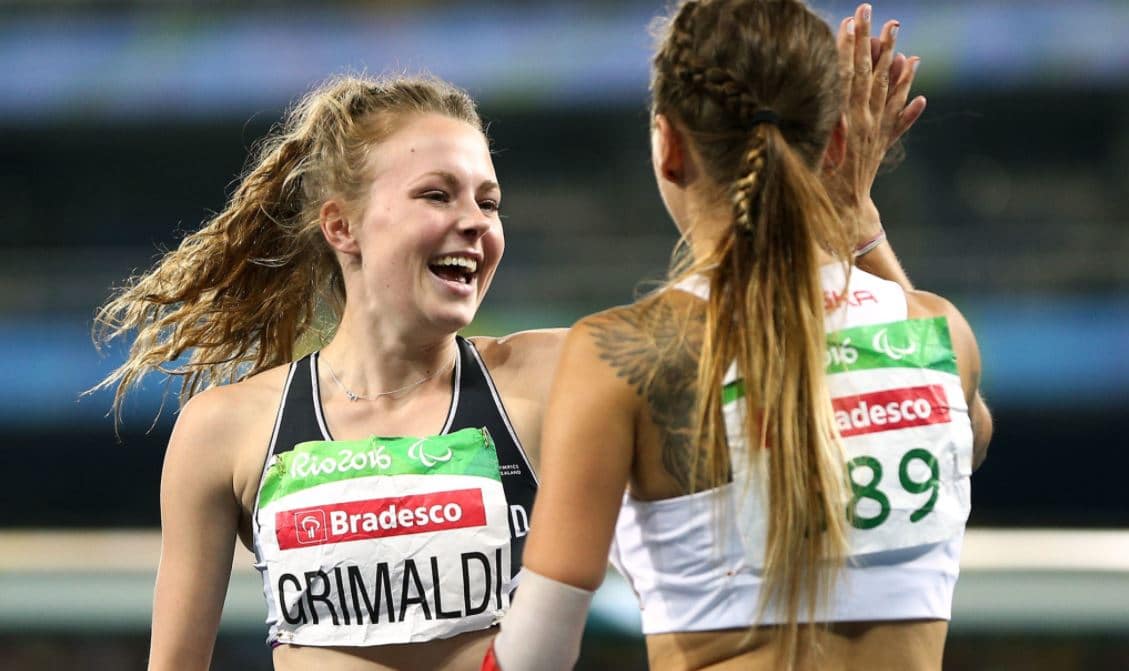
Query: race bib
point(899, 405)
point(385, 540)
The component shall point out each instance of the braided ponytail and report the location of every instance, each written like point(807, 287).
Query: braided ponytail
point(753, 83)
point(238, 295)
point(747, 188)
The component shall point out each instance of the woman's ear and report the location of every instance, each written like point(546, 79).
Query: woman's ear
point(668, 151)
point(337, 227)
point(836, 151)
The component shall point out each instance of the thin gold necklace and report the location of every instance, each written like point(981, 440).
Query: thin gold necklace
point(353, 396)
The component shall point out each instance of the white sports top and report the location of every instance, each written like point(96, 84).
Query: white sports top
point(695, 561)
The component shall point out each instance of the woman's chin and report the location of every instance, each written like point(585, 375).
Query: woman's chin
point(452, 320)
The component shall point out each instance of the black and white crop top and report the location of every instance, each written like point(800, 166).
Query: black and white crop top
point(391, 540)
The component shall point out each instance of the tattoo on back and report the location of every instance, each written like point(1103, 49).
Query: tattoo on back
point(655, 347)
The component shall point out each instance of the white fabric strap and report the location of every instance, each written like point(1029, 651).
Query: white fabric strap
point(543, 628)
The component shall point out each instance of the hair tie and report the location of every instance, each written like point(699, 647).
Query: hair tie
point(764, 116)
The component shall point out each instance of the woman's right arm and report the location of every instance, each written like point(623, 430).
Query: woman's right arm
point(877, 82)
point(876, 85)
point(199, 518)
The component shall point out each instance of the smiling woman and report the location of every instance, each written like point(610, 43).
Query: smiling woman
point(375, 202)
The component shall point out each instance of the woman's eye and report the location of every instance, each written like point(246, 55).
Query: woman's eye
point(489, 205)
point(437, 196)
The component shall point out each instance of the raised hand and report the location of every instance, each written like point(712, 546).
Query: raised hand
point(876, 83)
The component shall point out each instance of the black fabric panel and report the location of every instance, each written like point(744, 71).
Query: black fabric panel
point(476, 409)
point(299, 423)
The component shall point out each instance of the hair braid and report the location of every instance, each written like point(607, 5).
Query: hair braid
point(680, 58)
point(714, 81)
point(746, 189)
point(723, 68)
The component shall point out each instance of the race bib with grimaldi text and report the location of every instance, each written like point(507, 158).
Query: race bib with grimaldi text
point(385, 540)
point(900, 408)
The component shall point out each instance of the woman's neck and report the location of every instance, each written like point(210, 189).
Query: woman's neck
point(369, 360)
point(710, 225)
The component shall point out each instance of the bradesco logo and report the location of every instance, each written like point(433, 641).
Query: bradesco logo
point(890, 410)
point(379, 518)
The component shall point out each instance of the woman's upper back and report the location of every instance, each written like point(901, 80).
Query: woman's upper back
point(897, 399)
point(655, 344)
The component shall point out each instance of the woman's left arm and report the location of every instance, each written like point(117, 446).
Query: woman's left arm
point(587, 448)
point(587, 451)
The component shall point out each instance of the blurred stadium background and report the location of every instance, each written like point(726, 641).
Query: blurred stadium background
point(124, 124)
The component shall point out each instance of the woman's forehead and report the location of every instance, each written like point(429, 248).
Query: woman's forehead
point(435, 143)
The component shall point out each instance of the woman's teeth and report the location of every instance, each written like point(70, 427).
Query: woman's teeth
point(454, 268)
point(461, 261)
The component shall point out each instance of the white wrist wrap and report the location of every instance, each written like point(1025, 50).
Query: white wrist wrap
point(543, 628)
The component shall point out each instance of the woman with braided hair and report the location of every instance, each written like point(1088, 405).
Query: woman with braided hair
point(795, 434)
point(368, 220)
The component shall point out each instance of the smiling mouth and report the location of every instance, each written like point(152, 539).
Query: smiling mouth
point(458, 269)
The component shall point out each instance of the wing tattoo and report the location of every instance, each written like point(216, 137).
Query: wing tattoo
point(655, 347)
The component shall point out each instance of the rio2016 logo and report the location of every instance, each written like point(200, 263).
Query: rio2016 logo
point(840, 354)
point(311, 465)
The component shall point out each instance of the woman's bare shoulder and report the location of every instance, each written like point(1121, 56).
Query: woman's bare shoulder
point(926, 304)
point(654, 338)
point(923, 304)
point(521, 346)
point(232, 410)
point(651, 325)
point(521, 354)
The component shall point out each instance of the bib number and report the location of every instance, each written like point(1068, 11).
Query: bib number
point(871, 490)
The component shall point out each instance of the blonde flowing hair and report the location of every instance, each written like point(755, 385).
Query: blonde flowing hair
point(755, 85)
point(236, 295)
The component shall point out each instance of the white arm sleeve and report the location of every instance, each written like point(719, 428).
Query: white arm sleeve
point(542, 630)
